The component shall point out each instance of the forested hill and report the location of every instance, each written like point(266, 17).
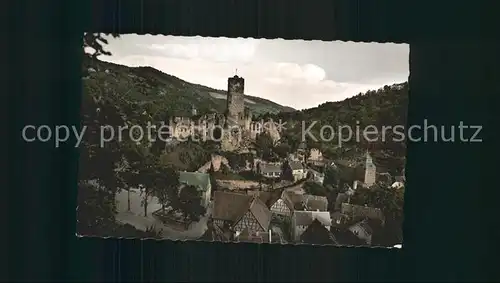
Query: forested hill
point(160, 92)
point(384, 107)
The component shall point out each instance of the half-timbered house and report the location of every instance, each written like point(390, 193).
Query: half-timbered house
point(282, 209)
point(237, 212)
point(260, 237)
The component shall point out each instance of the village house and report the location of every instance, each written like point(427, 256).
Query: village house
point(237, 212)
point(200, 181)
point(270, 170)
point(294, 157)
point(314, 203)
point(214, 233)
point(298, 170)
point(399, 182)
point(316, 176)
point(316, 157)
point(317, 234)
point(344, 237)
point(260, 237)
point(363, 231)
point(302, 219)
point(341, 198)
point(281, 203)
point(302, 152)
point(351, 213)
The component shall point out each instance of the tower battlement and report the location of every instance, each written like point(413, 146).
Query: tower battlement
point(236, 84)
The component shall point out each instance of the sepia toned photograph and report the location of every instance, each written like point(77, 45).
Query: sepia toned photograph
point(243, 140)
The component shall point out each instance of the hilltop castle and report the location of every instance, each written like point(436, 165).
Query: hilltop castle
point(236, 126)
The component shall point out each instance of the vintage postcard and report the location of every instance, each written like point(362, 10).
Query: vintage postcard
point(243, 140)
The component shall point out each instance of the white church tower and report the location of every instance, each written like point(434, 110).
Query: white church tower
point(370, 171)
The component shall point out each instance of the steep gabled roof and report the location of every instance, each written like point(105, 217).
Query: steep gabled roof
point(295, 165)
point(233, 206)
point(317, 234)
point(314, 203)
point(341, 198)
point(305, 218)
point(292, 200)
point(269, 198)
point(261, 213)
point(363, 212)
point(270, 168)
point(230, 206)
point(346, 238)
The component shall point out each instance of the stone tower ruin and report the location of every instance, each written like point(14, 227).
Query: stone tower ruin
point(235, 101)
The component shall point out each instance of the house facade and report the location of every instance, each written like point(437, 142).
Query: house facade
point(199, 180)
point(270, 170)
point(283, 207)
point(238, 212)
point(298, 170)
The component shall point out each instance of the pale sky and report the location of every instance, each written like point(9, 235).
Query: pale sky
point(296, 73)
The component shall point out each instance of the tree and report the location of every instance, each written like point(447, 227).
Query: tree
point(190, 203)
point(330, 177)
point(265, 144)
point(168, 192)
point(95, 210)
point(315, 189)
point(291, 139)
point(282, 150)
point(97, 41)
point(153, 178)
point(390, 201)
point(224, 169)
point(286, 172)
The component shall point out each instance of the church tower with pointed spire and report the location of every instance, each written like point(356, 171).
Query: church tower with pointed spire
point(370, 170)
point(194, 111)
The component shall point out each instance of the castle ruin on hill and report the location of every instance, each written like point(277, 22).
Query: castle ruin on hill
point(235, 129)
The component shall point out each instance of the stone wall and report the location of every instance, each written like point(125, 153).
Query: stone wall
point(239, 184)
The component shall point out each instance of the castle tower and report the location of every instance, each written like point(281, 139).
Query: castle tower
point(370, 170)
point(194, 112)
point(235, 100)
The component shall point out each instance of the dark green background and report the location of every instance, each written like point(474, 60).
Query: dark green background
point(450, 229)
